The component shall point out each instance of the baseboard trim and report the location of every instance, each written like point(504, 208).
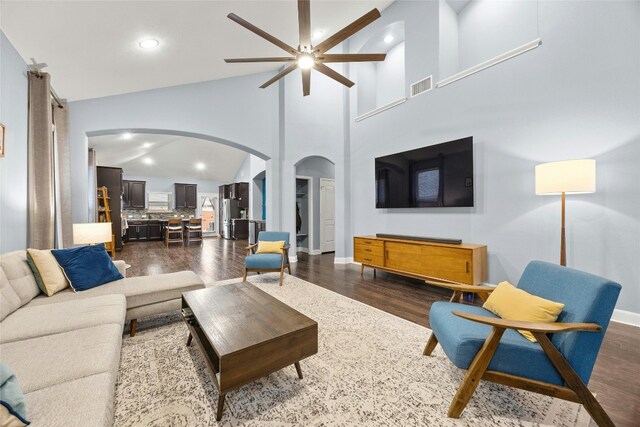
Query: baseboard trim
point(626, 317)
point(345, 260)
point(315, 252)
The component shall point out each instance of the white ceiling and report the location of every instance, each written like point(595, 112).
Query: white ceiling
point(92, 49)
point(172, 156)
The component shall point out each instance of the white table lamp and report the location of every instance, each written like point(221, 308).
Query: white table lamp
point(91, 233)
point(566, 177)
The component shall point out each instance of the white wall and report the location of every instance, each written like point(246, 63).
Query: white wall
point(576, 96)
point(14, 93)
point(390, 83)
point(315, 167)
point(448, 35)
point(250, 168)
point(488, 28)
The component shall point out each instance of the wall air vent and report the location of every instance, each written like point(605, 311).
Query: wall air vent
point(421, 86)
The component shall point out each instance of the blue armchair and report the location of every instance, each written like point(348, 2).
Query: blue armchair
point(558, 365)
point(263, 263)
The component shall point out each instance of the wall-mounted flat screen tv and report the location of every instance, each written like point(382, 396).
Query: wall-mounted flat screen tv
point(439, 175)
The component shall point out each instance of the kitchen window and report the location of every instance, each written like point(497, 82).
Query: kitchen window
point(159, 202)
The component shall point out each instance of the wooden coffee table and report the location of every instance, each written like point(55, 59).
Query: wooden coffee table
point(244, 334)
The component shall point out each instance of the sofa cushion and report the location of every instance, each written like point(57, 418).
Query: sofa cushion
point(9, 300)
point(461, 339)
point(87, 266)
point(139, 291)
point(47, 272)
point(20, 276)
point(13, 410)
point(44, 361)
point(263, 261)
point(40, 320)
point(87, 401)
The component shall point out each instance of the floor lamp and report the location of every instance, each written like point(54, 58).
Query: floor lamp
point(566, 177)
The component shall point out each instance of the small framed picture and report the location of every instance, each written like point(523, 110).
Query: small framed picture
point(2, 140)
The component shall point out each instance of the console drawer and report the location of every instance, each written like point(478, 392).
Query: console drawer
point(369, 249)
point(363, 258)
point(359, 241)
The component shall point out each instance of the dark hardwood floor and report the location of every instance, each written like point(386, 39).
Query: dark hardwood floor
point(616, 377)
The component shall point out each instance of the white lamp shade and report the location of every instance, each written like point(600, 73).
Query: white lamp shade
point(569, 176)
point(95, 232)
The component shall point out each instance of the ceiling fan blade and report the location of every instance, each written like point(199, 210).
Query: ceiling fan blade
point(249, 26)
point(329, 72)
point(304, 22)
point(272, 59)
point(351, 57)
point(306, 82)
point(348, 31)
point(280, 75)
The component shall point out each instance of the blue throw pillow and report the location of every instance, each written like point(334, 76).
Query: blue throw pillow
point(12, 406)
point(87, 266)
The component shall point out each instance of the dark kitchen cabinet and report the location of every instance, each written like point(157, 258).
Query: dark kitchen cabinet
point(243, 195)
point(186, 196)
point(133, 194)
point(241, 229)
point(155, 230)
point(225, 191)
point(138, 231)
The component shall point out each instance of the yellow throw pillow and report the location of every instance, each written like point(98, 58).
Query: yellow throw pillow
point(45, 268)
point(265, 247)
point(512, 303)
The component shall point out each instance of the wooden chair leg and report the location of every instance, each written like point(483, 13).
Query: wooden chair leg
point(132, 327)
point(431, 345)
point(244, 276)
point(574, 382)
point(456, 296)
point(281, 275)
point(474, 373)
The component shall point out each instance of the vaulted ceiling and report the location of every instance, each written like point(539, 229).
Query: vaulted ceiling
point(92, 47)
point(168, 156)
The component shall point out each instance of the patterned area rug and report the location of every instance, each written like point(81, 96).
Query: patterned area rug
point(369, 370)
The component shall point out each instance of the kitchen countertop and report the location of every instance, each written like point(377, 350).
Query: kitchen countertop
point(159, 219)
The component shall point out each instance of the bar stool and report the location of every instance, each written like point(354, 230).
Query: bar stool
point(173, 233)
point(194, 230)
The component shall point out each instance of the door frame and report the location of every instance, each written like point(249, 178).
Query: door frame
point(310, 239)
point(334, 213)
point(214, 200)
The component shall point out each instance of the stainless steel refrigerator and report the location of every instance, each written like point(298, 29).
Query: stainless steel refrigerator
point(230, 210)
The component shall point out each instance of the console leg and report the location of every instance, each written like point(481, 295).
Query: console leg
point(189, 338)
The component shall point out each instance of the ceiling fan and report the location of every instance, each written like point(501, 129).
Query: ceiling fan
point(308, 56)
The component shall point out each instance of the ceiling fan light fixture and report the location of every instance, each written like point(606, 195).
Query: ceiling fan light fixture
point(306, 61)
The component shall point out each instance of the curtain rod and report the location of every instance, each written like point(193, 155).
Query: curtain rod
point(53, 93)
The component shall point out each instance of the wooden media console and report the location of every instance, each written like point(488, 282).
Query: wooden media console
point(464, 263)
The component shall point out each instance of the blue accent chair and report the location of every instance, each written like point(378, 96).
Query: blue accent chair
point(263, 263)
point(558, 365)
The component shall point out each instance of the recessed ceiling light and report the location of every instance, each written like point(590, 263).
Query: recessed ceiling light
point(316, 35)
point(147, 160)
point(388, 38)
point(200, 166)
point(147, 145)
point(127, 135)
point(149, 43)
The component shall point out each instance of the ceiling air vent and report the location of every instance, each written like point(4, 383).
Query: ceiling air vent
point(421, 86)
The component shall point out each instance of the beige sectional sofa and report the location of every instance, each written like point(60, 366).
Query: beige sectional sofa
point(65, 349)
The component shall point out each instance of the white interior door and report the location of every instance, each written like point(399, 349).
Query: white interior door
point(327, 215)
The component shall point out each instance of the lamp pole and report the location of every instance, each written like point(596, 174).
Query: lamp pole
point(563, 244)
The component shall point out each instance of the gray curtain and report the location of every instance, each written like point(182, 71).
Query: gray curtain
point(92, 185)
point(41, 184)
point(64, 226)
